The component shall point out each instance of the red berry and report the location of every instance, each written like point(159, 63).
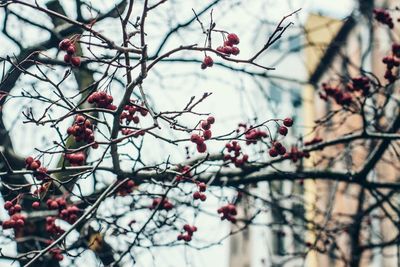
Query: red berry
point(71, 50)
point(282, 150)
point(288, 122)
point(233, 39)
point(67, 58)
point(202, 187)
point(20, 223)
point(76, 61)
point(207, 134)
point(53, 205)
point(208, 61)
point(34, 165)
point(201, 147)
point(196, 195)
point(58, 257)
point(187, 228)
point(203, 197)
point(8, 205)
point(273, 152)
point(235, 51)
point(211, 120)
point(64, 44)
point(29, 160)
point(195, 138)
point(17, 207)
point(205, 125)
point(283, 130)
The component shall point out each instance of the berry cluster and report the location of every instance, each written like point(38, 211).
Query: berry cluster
point(189, 233)
point(51, 226)
point(228, 212)
point(283, 130)
point(253, 135)
point(361, 84)
point(12, 208)
point(126, 188)
point(70, 214)
point(17, 221)
point(207, 62)
point(76, 159)
point(56, 204)
point(129, 113)
point(82, 130)
point(342, 98)
point(277, 149)
point(102, 100)
point(199, 140)
point(391, 62)
point(67, 213)
point(383, 17)
point(68, 46)
point(229, 47)
point(199, 194)
point(236, 149)
point(162, 204)
point(294, 154)
point(35, 165)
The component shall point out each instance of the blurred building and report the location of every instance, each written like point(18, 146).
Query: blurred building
point(325, 48)
point(355, 45)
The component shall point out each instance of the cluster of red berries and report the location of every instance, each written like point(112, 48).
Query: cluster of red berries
point(12, 208)
point(162, 204)
point(383, 17)
point(229, 47)
point(253, 135)
point(129, 113)
point(56, 253)
point(57, 203)
point(342, 98)
point(126, 188)
point(69, 214)
point(313, 141)
point(68, 46)
point(207, 62)
point(391, 62)
point(237, 151)
point(51, 226)
point(17, 221)
point(82, 130)
point(277, 149)
point(185, 173)
point(76, 159)
point(294, 154)
point(200, 193)
point(361, 84)
point(102, 100)
point(199, 140)
point(35, 165)
point(283, 130)
point(189, 233)
point(228, 212)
